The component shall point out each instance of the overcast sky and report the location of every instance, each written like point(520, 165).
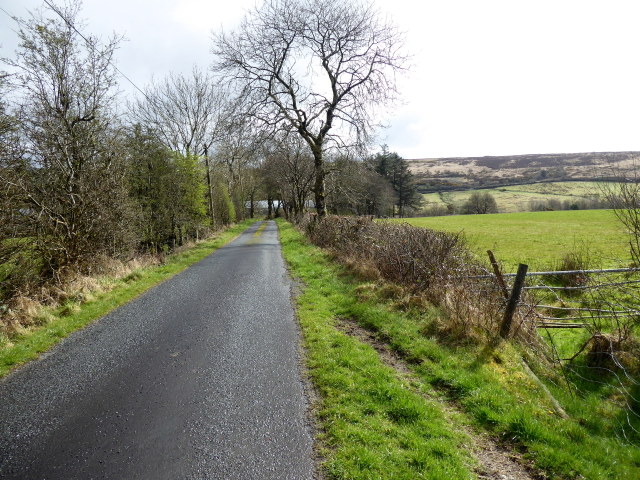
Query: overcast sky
point(490, 77)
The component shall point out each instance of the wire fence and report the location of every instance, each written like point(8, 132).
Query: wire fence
point(591, 321)
point(577, 325)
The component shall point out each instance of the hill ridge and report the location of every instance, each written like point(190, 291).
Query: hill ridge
point(453, 173)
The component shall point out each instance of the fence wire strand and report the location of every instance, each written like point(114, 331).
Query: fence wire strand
point(606, 352)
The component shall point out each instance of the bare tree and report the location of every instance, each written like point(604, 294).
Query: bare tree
point(317, 67)
point(183, 110)
point(288, 172)
point(236, 150)
point(10, 150)
point(187, 113)
point(6, 121)
point(67, 186)
point(624, 198)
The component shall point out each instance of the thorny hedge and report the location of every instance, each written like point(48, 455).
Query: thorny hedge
point(434, 265)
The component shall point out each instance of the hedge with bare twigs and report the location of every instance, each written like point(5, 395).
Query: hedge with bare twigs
point(432, 264)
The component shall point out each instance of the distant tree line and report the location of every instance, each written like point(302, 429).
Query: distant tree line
point(589, 203)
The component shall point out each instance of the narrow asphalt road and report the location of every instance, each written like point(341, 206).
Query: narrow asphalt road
point(199, 378)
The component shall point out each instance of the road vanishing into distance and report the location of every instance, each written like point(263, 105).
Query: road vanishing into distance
point(199, 378)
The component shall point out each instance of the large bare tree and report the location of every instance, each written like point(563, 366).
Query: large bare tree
point(184, 110)
point(318, 67)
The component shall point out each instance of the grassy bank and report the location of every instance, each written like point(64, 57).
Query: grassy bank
point(374, 426)
point(65, 319)
point(539, 239)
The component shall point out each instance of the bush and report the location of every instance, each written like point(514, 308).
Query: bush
point(436, 265)
point(479, 203)
point(577, 261)
point(411, 256)
point(224, 208)
point(437, 211)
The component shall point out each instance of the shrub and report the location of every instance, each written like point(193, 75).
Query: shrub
point(223, 205)
point(577, 261)
point(479, 203)
point(433, 264)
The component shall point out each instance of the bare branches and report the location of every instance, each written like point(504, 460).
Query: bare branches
point(186, 111)
point(624, 198)
point(320, 67)
point(352, 56)
point(288, 172)
point(63, 180)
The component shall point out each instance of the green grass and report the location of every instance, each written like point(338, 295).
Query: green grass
point(364, 438)
point(68, 318)
point(373, 425)
point(518, 198)
point(539, 239)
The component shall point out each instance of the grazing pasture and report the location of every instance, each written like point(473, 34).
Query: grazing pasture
point(539, 239)
point(520, 198)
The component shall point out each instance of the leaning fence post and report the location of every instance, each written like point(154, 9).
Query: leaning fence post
point(498, 273)
point(512, 304)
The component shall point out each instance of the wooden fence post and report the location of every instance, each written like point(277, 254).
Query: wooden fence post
point(512, 304)
point(499, 277)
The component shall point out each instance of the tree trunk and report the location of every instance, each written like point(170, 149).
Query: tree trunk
point(269, 207)
point(318, 188)
point(209, 187)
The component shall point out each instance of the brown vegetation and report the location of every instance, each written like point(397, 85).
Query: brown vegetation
point(30, 307)
point(430, 265)
point(437, 174)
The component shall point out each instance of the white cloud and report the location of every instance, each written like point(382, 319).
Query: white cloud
point(490, 77)
point(202, 16)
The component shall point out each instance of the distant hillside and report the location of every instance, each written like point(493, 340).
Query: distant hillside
point(437, 174)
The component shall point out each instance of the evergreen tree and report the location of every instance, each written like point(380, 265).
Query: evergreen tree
point(395, 169)
point(169, 189)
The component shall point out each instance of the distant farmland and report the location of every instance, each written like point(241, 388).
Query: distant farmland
point(520, 198)
point(539, 239)
point(442, 174)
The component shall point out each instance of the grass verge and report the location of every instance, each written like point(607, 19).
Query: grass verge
point(375, 428)
point(70, 317)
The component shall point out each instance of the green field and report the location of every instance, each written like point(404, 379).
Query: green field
point(518, 198)
point(378, 421)
point(539, 239)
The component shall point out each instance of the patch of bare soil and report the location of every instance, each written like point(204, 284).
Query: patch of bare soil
point(496, 462)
